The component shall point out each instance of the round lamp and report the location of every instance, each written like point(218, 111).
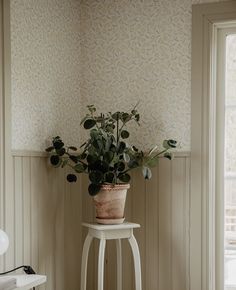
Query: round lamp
point(4, 242)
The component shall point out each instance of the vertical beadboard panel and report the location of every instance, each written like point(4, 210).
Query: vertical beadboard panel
point(152, 232)
point(178, 225)
point(48, 212)
point(73, 235)
point(19, 224)
point(26, 186)
point(165, 224)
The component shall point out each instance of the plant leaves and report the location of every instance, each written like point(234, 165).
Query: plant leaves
point(96, 176)
point(121, 147)
point(61, 151)
point(108, 156)
point(120, 166)
point(79, 168)
point(168, 155)
point(94, 188)
point(58, 144)
point(109, 177)
point(74, 158)
point(49, 149)
point(124, 177)
point(71, 178)
point(55, 160)
point(126, 157)
point(147, 173)
point(89, 123)
point(124, 134)
point(73, 148)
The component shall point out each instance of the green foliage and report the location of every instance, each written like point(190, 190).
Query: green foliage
point(106, 156)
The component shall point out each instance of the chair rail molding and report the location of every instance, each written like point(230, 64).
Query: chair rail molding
point(205, 207)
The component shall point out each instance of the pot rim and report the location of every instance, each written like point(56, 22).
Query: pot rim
point(117, 186)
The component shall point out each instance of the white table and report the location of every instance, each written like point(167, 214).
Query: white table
point(111, 232)
point(23, 281)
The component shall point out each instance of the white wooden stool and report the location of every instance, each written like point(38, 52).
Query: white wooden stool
point(111, 232)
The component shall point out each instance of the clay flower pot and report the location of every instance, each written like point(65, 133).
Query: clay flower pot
point(110, 203)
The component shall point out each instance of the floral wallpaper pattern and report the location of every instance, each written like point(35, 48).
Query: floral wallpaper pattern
point(110, 53)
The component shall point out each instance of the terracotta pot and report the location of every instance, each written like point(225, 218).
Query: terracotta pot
point(110, 203)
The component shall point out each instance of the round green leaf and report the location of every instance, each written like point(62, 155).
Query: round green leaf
point(94, 188)
point(109, 177)
point(124, 134)
point(71, 178)
point(58, 144)
point(120, 166)
point(55, 160)
point(79, 168)
point(61, 151)
point(96, 176)
point(121, 147)
point(90, 123)
point(49, 149)
point(124, 177)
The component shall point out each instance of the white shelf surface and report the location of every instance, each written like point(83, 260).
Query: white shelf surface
point(22, 281)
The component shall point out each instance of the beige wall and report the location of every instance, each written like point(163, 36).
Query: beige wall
point(67, 54)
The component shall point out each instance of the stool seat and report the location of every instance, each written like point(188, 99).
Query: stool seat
point(111, 232)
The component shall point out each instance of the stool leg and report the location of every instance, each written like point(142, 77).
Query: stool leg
point(137, 264)
point(101, 255)
point(119, 264)
point(84, 263)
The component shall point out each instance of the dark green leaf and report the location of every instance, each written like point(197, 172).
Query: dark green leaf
point(167, 144)
point(91, 158)
point(108, 156)
point(168, 155)
point(79, 168)
point(125, 117)
point(137, 117)
point(49, 149)
point(124, 177)
point(121, 147)
point(124, 134)
point(58, 144)
point(74, 158)
point(116, 116)
point(73, 148)
point(71, 178)
point(109, 177)
point(61, 151)
point(94, 188)
point(90, 123)
point(120, 166)
point(55, 160)
point(96, 176)
point(133, 164)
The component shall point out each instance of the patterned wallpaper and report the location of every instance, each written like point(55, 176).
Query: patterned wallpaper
point(46, 62)
point(110, 53)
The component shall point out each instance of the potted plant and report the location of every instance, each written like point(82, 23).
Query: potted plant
point(107, 158)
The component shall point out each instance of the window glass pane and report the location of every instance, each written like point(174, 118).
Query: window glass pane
point(230, 164)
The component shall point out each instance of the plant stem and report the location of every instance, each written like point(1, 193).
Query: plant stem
point(163, 151)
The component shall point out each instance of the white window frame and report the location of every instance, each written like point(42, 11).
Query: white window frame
point(210, 22)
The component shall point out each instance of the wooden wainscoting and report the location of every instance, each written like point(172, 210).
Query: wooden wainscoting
point(48, 213)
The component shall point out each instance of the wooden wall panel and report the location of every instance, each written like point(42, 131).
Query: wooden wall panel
point(47, 233)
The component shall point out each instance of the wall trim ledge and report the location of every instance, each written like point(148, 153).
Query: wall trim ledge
point(29, 153)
